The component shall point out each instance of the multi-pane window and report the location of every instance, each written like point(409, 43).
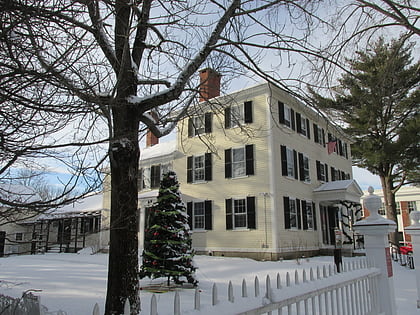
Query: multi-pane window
point(411, 206)
point(200, 124)
point(290, 163)
point(199, 168)
point(381, 210)
point(302, 125)
point(309, 215)
point(319, 134)
point(238, 115)
point(150, 177)
point(289, 166)
point(240, 213)
point(286, 115)
point(198, 222)
point(398, 207)
point(200, 215)
point(304, 168)
point(322, 171)
point(239, 162)
point(293, 215)
point(19, 236)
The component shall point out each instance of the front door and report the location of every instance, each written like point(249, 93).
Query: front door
point(329, 222)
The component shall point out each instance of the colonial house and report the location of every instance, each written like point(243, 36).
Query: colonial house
point(262, 174)
point(407, 200)
point(15, 237)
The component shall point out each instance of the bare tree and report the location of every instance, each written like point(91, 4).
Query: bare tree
point(83, 73)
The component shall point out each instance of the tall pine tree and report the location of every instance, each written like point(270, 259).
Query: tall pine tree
point(379, 104)
point(167, 243)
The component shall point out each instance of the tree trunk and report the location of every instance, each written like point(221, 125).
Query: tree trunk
point(390, 207)
point(123, 248)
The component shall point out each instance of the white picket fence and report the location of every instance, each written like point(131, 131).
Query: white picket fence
point(319, 291)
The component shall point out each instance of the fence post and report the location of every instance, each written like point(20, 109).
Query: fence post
point(375, 228)
point(414, 231)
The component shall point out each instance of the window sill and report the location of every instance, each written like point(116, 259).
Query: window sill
point(239, 177)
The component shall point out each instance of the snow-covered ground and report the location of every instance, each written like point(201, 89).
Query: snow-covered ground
point(75, 282)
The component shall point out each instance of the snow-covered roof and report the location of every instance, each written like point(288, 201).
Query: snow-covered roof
point(18, 193)
point(160, 149)
point(336, 185)
point(92, 203)
point(338, 190)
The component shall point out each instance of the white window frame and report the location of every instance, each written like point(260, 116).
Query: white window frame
point(239, 212)
point(309, 215)
point(411, 206)
point(398, 207)
point(322, 171)
point(20, 238)
point(321, 139)
point(293, 213)
point(237, 115)
point(199, 219)
point(288, 116)
point(306, 170)
point(303, 126)
point(199, 170)
point(238, 166)
point(290, 160)
point(199, 124)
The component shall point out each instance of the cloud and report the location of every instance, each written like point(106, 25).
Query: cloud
point(365, 178)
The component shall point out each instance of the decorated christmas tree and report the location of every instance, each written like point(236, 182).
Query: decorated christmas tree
point(167, 242)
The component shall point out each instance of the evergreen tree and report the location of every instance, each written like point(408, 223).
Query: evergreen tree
point(378, 102)
point(167, 245)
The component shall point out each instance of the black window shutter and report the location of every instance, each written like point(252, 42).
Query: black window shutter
point(343, 175)
point(298, 123)
point(281, 112)
point(326, 172)
point(314, 215)
point(346, 154)
point(248, 112)
point(208, 167)
point(227, 117)
point(228, 163)
point(190, 214)
point(249, 155)
point(323, 137)
point(189, 169)
point(340, 147)
point(308, 129)
point(304, 215)
point(316, 138)
point(140, 179)
point(286, 212)
point(250, 212)
point(318, 170)
point(301, 167)
point(208, 224)
point(190, 128)
point(292, 117)
point(283, 160)
point(299, 215)
point(333, 174)
point(295, 162)
point(229, 216)
point(208, 119)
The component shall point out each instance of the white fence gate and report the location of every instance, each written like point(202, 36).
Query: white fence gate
point(318, 291)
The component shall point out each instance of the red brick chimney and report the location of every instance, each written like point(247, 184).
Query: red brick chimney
point(209, 84)
point(151, 139)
